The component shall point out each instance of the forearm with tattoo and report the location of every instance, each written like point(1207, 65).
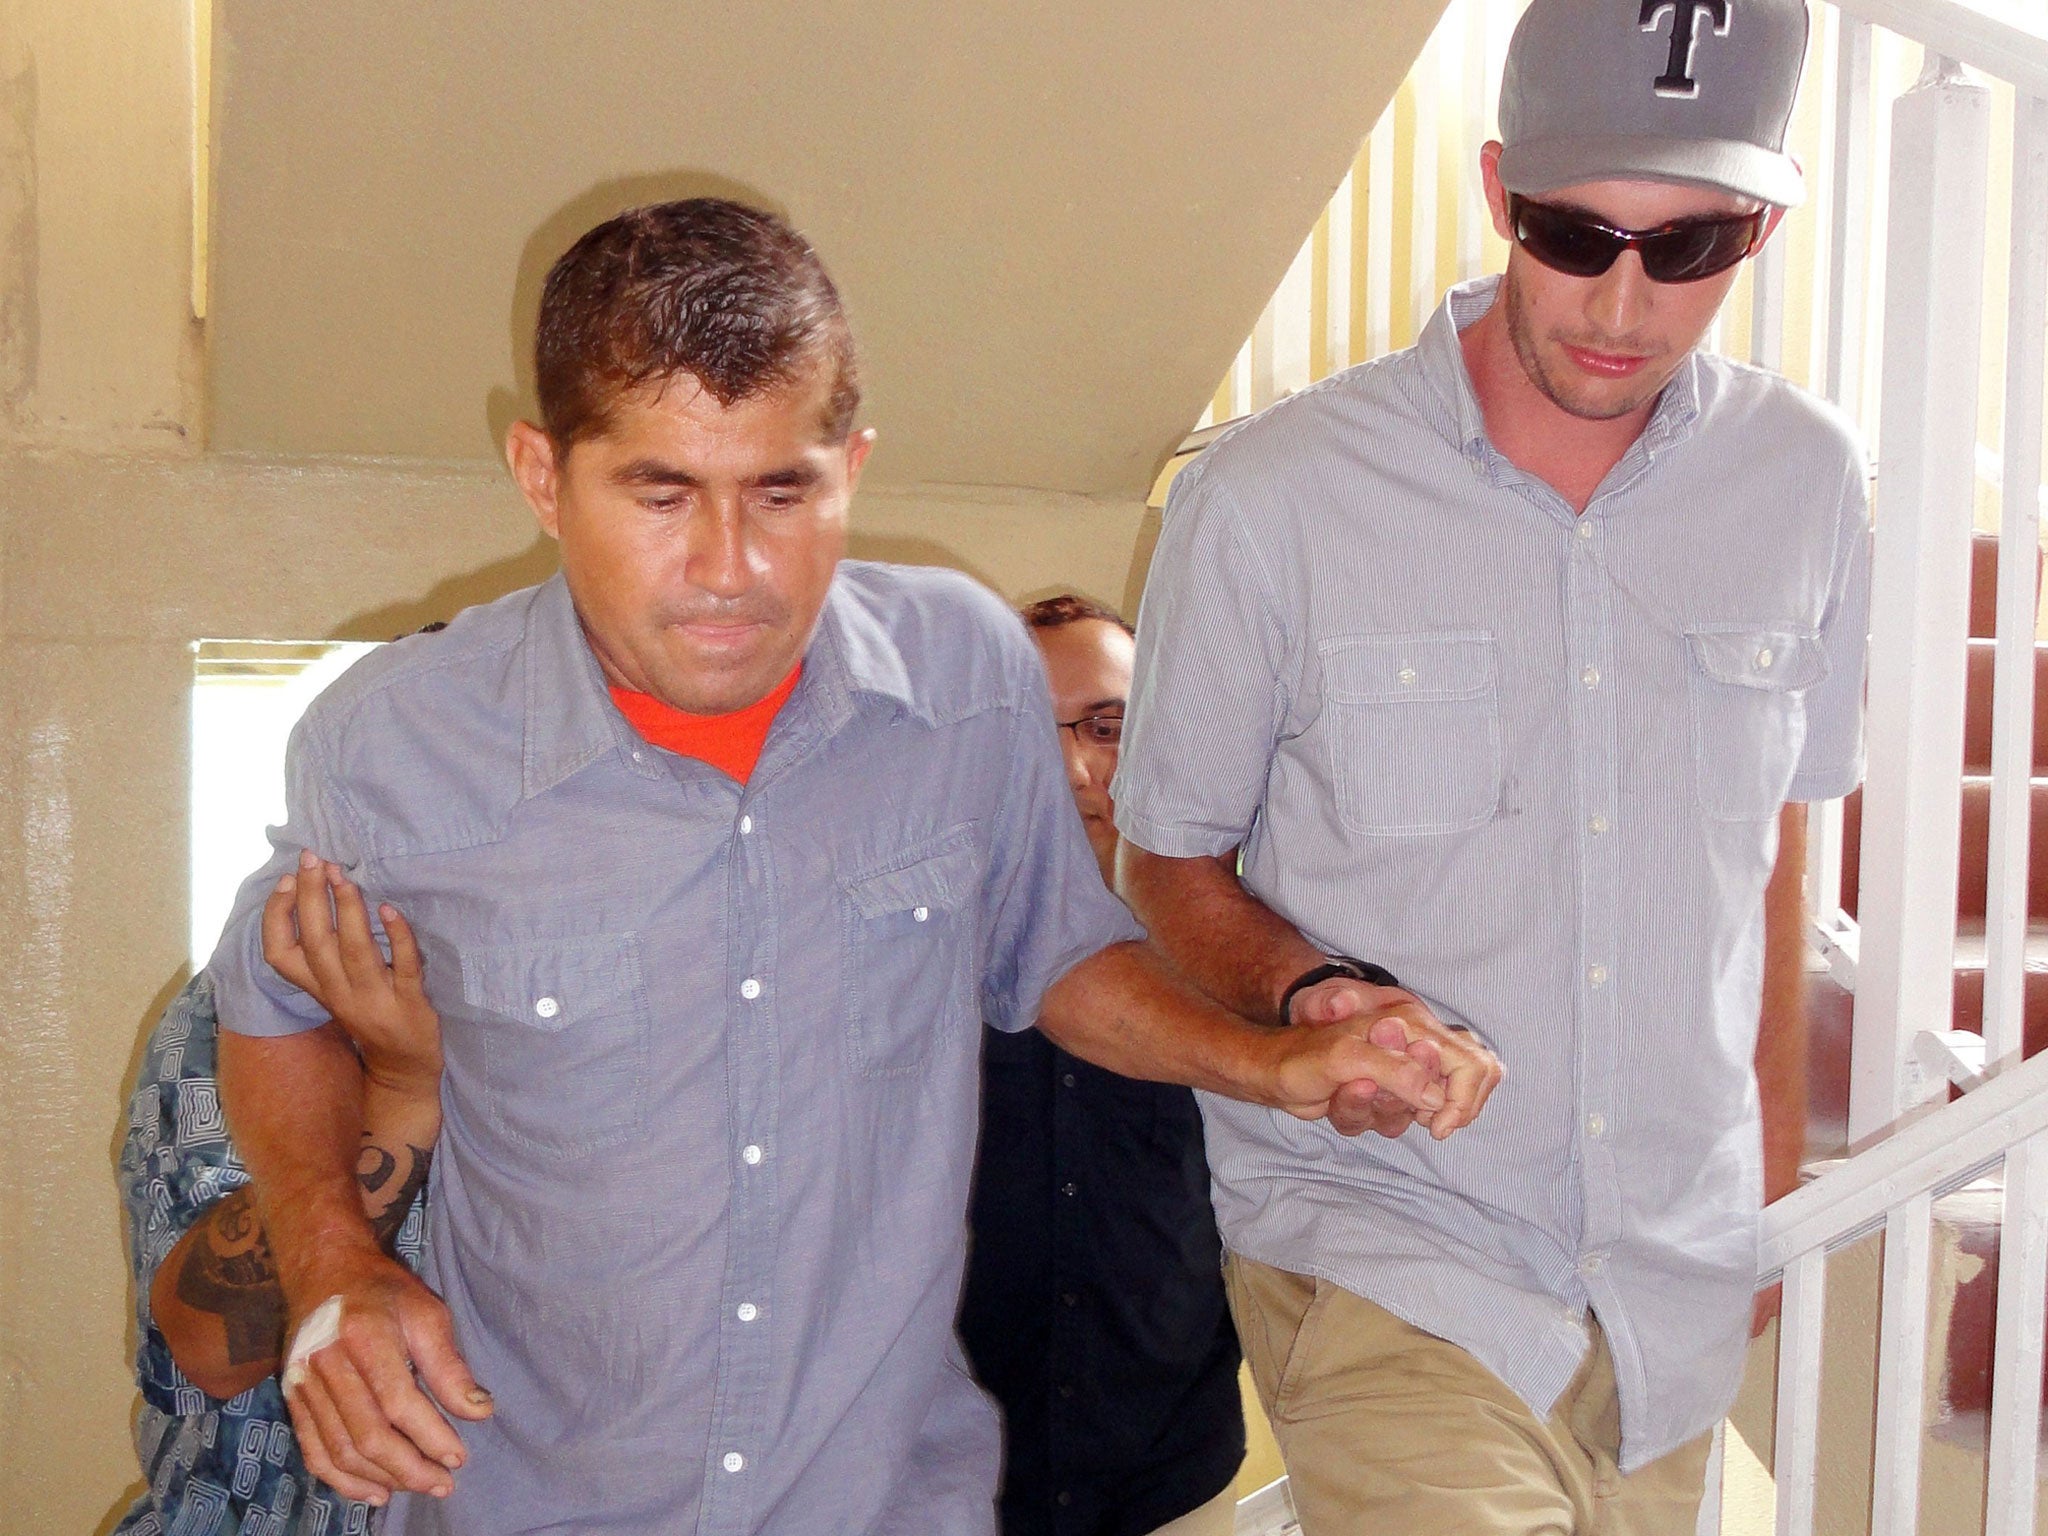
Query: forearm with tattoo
point(223, 1268)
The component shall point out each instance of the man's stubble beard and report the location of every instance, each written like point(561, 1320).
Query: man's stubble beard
point(1523, 339)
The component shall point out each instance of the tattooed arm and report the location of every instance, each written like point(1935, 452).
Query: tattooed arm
point(216, 1297)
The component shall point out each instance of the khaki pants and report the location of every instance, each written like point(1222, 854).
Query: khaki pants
point(1390, 1431)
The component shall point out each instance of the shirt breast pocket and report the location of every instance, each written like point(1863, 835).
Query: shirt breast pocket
point(910, 932)
point(1749, 686)
point(1413, 731)
point(566, 1034)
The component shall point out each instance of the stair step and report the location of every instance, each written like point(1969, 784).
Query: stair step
point(1970, 1219)
point(1976, 850)
point(1977, 713)
point(1830, 1011)
point(1984, 584)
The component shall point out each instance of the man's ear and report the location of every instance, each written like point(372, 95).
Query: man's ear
point(858, 446)
point(530, 455)
point(1496, 194)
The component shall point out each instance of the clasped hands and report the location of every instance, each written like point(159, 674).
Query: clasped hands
point(1373, 1058)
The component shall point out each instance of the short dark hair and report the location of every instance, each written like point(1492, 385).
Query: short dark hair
point(730, 295)
point(1070, 608)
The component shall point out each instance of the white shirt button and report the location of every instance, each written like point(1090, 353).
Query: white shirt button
point(733, 1461)
point(750, 989)
point(747, 1311)
point(639, 756)
point(1591, 1264)
point(547, 1007)
point(1407, 676)
point(1596, 1125)
point(1597, 825)
point(1764, 658)
point(1597, 974)
point(921, 913)
point(1585, 528)
point(746, 825)
point(750, 1155)
point(1590, 676)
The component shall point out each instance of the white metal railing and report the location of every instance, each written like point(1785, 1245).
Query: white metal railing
point(1893, 1186)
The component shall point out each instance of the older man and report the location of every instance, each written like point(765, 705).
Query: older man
point(718, 849)
point(1502, 658)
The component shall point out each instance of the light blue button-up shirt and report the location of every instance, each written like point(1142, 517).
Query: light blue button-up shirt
point(1532, 763)
point(711, 1086)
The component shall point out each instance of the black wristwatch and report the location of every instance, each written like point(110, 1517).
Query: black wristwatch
point(1335, 965)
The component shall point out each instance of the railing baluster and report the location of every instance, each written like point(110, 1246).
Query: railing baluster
point(1337, 280)
point(1422, 234)
point(1472, 215)
point(1798, 1438)
point(1767, 305)
point(1849, 221)
point(1902, 1368)
point(2016, 1368)
point(1919, 653)
point(2019, 549)
point(1379, 237)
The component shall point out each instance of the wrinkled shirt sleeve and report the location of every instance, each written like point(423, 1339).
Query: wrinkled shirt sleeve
point(253, 999)
point(1210, 694)
point(1831, 759)
point(1044, 906)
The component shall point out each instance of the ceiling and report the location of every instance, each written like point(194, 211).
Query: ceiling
point(1053, 223)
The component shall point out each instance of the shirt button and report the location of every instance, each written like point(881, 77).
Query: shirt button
point(1763, 658)
point(1407, 676)
point(746, 825)
point(750, 1155)
point(1063, 1498)
point(547, 1007)
point(1067, 1079)
point(1598, 825)
point(1597, 974)
point(747, 1311)
point(750, 989)
point(919, 914)
point(1069, 1189)
point(1585, 528)
point(1066, 1389)
point(1070, 1299)
point(733, 1461)
point(1591, 1264)
point(1590, 676)
point(1596, 1125)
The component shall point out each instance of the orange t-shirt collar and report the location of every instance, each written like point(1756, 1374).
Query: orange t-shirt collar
point(730, 743)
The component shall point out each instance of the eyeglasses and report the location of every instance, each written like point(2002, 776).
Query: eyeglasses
point(1683, 251)
point(1096, 730)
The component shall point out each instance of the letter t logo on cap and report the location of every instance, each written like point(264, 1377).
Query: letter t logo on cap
point(1677, 79)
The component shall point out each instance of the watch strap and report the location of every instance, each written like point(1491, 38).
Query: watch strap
point(1335, 965)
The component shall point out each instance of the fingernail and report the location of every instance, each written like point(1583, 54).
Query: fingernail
point(376, 1500)
point(478, 1396)
point(441, 1490)
point(286, 882)
point(308, 859)
point(1433, 1097)
point(451, 1461)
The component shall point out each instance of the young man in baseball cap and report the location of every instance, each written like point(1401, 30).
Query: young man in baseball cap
point(1505, 665)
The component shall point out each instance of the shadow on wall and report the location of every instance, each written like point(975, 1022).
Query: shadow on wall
point(564, 228)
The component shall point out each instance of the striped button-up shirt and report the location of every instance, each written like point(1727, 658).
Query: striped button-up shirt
point(1532, 763)
point(712, 1049)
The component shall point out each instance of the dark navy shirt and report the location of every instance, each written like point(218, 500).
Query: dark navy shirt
point(1094, 1306)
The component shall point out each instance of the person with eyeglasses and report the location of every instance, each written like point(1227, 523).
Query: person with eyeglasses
point(1505, 666)
point(1093, 1309)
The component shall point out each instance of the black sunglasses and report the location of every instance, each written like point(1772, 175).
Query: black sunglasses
point(1683, 251)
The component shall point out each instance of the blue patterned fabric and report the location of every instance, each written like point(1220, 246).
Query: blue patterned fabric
point(213, 1468)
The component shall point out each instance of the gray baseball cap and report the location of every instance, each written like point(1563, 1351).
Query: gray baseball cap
point(1695, 91)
